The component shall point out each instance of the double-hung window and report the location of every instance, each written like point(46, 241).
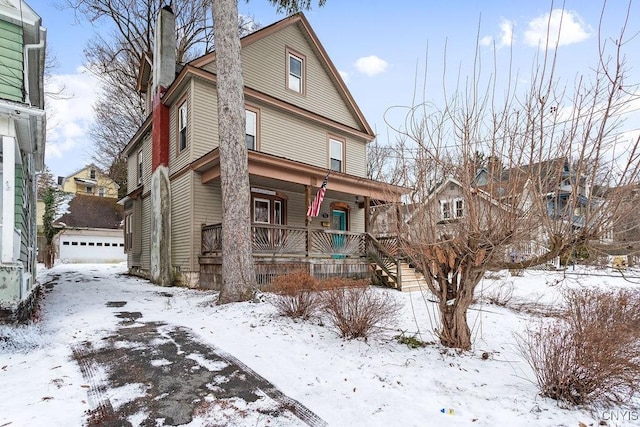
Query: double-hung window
point(139, 169)
point(182, 127)
point(450, 209)
point(251, 132)
point(336, 154)
point(295, 72)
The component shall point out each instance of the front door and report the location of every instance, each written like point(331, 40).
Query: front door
point(339, 223)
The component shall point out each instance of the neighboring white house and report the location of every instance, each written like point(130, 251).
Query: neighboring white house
point(22, 144)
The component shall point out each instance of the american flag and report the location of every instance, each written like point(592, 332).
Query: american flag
point(314, 208)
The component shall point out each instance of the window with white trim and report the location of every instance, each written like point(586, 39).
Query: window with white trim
point(182, 127)
point(295, 76)
point(251, 130)
point(336, 154)
point(139, 171)
point(451, 209)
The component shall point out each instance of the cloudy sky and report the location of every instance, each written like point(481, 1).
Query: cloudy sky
point(383, 50)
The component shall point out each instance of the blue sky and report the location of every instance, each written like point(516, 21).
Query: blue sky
point(377, 46)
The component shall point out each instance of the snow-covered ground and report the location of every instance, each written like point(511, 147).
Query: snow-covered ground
point(347, 383)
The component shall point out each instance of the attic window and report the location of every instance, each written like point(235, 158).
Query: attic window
point(450, 209)
point(92, 174)
point(295, 72)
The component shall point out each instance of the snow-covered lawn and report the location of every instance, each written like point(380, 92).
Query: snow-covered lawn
point(347, 383)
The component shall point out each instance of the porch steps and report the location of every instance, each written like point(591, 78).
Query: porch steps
point(410, 278)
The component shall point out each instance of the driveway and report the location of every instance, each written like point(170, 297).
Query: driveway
point(152, 372)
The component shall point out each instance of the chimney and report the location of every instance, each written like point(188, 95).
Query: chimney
point(164, 51)
point(164, 72)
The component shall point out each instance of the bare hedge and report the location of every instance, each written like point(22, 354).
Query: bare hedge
point(592, 354)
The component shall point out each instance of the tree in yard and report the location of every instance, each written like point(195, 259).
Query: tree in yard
point(238, 273)
point(114, 58)
point(527, 198)
point(48, 193)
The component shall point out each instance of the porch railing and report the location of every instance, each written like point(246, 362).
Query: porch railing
point(285, 240)
point(384, 253)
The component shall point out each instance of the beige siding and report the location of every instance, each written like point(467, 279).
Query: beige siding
point(145, 257)
point(132, 164)
point(205, 118)
point(146, 162)
point(178, 161)
point(297, 212)
point(265, 63)
point(181, 221)
point(291, 137)
point(207, 210)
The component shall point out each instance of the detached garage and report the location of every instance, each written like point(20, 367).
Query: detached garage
point(90, 231)
point(91, 246)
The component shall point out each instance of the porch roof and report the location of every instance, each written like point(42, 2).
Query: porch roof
point(280, 168)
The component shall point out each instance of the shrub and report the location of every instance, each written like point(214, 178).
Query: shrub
point(355, 309)
point(592, 354)
point(296, 294)
point(500, 294)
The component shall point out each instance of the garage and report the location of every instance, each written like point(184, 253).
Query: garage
point(91, 246)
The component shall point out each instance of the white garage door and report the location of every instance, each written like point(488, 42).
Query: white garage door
point(89, 249)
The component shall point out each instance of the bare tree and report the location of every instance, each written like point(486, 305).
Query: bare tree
point(530, 200)
point(114, 58)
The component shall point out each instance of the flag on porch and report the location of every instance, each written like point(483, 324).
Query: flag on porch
point(314, 208)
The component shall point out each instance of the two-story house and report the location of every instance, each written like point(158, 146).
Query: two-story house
point(301, 122)
point(22, 138)
point(89, 180)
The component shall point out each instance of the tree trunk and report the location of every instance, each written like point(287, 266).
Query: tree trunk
point(455, 331)
point(238, 273)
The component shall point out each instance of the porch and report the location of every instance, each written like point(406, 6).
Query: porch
point(324, 253)
point(279, 249)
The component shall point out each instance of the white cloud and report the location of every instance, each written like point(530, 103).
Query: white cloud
point(504, 38)
point(344, 75)
point(564, 27)
point(69, 118)
point(371, 65)
point(486, 41)
point(506, 33)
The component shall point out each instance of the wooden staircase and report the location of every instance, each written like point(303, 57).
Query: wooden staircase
point(390, 269)
point(408, 280)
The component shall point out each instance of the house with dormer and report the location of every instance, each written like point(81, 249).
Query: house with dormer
point(89, 180)
point(22, 145)
point(301, 123)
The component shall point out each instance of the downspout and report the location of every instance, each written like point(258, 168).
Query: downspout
point(27, 48)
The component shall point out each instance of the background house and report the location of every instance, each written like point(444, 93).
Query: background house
point(22, 137)
point(301, 121)
point(90, 231)
point(89, 180)
point(92, 182)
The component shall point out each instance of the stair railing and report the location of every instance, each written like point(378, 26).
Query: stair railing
point(385, 257)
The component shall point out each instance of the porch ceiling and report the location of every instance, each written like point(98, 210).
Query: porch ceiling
point(285, 174)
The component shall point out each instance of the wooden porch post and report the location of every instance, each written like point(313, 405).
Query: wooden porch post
point(367, 214)
point(307, 203)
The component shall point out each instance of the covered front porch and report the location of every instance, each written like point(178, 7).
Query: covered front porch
point(284, 238)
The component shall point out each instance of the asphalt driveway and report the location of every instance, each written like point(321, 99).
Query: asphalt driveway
point(152, 373)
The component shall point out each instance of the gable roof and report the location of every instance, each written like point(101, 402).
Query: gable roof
point(302, 23)
point(92, 212)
